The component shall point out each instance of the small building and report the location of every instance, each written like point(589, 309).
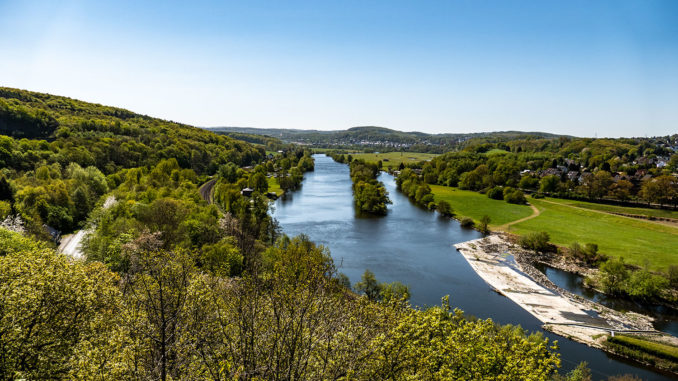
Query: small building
point(247, 192)
point(272, 195)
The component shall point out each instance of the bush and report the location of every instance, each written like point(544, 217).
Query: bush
point(587, 253)
point(484, 224)
point(673, 275)
point(535, 241)
point(496, 193)
point(444, 208)
point(467, 222)
point(515, 197)
point(642, 284)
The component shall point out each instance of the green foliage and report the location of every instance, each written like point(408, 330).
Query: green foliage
point(484, 224)
point(514, 196)
point(588, 253)
point(5, 209)
point(643, 284)
point(50, 306)
point(444, 208)
point(613, 276)
point(369, 286)
point(467, 222)
point(580, 373)
point(496, 193)
point(538, 241)
point(645, 350)
point(378, 291)
point(370, 195)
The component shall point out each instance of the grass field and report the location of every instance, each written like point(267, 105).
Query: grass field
point(273, 186)
point(394, 158)
point(635, 240)
point(622, 209)
point(475, 205)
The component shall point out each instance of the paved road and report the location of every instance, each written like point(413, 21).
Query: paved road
point(72, 243)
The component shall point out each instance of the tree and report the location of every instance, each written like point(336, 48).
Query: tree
point(621, 190)
point(549, 184)
point(259, 182)
point(537, 241)
point(613, 276)
point(157, 291)
point(369, 286)
point(484, 224)
point(444, 208)
point(49, 306)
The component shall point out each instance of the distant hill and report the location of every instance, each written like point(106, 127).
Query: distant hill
point(380, 137)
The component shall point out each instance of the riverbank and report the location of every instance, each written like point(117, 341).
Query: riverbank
point(498, 262)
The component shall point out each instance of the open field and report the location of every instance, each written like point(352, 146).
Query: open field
point(621, 209)
point(475, 205)
point(273, 186)
point(394, 158)
point(635, 240)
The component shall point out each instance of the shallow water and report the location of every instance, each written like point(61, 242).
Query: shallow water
point(414, 246)
point(666, 319)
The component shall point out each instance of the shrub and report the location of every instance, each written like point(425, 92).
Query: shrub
point(535, 241)
point(495, 193)
point(642, 284)
point(467, 222)
point(673, 275)
point(515, 197)
point(484, 224)
point(444, 208)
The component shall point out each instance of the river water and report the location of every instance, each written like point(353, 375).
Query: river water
point(414, 246)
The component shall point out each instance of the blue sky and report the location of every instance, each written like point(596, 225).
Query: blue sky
point(605, 68)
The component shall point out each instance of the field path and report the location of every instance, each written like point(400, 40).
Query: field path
point(664, 223)
point(506, 227)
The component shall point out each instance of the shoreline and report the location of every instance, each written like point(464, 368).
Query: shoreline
point(502, 265)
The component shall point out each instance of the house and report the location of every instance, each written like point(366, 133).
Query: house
point(247, 192)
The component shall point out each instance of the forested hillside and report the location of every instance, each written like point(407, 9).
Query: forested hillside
point(180, 282)
point(370, 138)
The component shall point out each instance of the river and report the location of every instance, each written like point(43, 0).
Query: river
point(414, 246)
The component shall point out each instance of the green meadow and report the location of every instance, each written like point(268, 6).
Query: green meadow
point(621, 209)
point(476, 205)
point(273, 186)
point(393, 159)
point(636, 240)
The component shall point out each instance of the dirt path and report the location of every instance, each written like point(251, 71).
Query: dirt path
point(507, 227)
point(664, 223)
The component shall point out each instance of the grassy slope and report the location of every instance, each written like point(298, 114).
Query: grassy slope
point(273, 186)
point(475, 205)
point(635, 240)
point(395, 158)
point(622, 209)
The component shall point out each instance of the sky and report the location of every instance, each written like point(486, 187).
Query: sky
point(584, 68)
